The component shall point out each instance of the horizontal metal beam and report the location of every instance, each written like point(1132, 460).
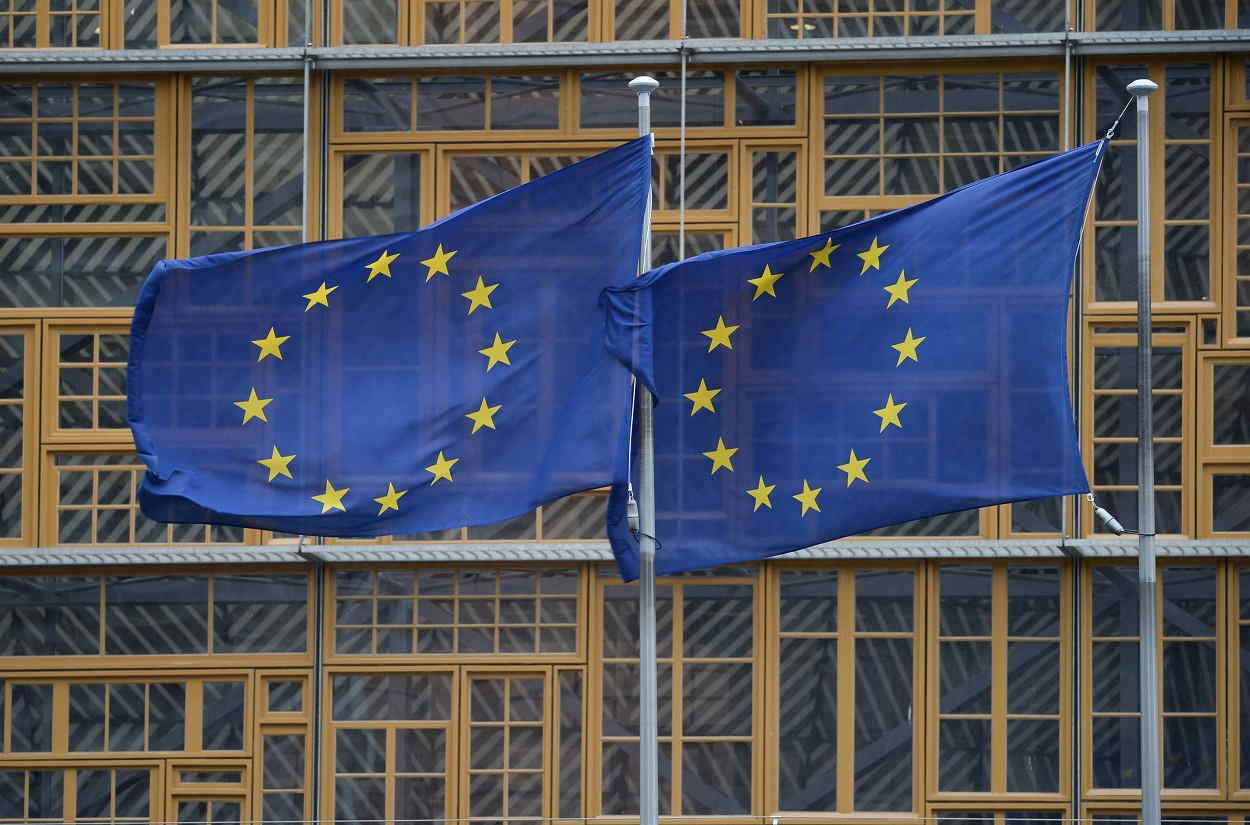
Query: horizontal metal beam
point(637, 54)
point(572, 552)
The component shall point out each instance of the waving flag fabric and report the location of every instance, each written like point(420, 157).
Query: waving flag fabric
point(907, 366)
point(395, 384)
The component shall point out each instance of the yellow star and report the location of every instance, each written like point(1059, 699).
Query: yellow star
point(320, 296)
point(821, 256)
point(808, 498)
point(253, 407)
point(382, 266)
point(764, 283)
point(484, 417)
point(871, 256)
point(854, 469)
point(441, 468)
point(761, 493)
point(722, 456)
point(390, 501)
point(479, 296)
point(907, 348)
point(719, 335)
point(277, 464)
point(438, 263)
point(889, 413)
point(332, 499)
point(271, 344)
point(702, 398)
point(497, 352)
point(898, 289)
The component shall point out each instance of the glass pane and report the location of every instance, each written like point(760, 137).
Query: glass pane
point(964, 609)
point(1033, 755)
point(223, 716)
point(884, 738)
point(1033, 601)
point(808, 724)
point(149, 615)
point(963, 758)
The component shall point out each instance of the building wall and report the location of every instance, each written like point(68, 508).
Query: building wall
point(857, 690)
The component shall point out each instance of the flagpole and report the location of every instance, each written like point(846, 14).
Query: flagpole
point(1147, 628)
point(648, 693)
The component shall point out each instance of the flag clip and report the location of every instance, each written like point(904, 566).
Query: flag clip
point(631, 510)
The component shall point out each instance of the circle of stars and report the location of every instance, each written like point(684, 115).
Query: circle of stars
point(270, 345)
point(721, 336)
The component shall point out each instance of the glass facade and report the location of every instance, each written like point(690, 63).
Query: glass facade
point(904, 682)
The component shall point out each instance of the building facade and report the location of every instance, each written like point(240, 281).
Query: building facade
point(979, 666)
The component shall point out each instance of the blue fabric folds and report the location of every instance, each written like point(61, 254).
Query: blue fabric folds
point(903, 367)
point(396, 384)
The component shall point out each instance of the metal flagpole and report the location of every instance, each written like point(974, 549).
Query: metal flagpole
point(1147, 629)
point(648, 693)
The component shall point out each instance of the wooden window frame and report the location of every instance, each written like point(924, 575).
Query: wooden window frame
point(31, 421)
point(310, 213)
point(340, 137)
point(592, 730)
point(999, 714)
point(266, 13)
point(845, 636)
point(453, 757)
point(1090, 341)
point(336, 166)
point(881, 203)
point(20, 665)
point(410, 24)
point(1122, 797)
point(69, 801)
point(193, 681)
point(486, 660)
point(1169, 15)
point(115, 323)
point(1156, 70)
point(1227, 220)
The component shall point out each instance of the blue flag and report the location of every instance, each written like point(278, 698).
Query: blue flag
point(395, 384)
point(906, 366)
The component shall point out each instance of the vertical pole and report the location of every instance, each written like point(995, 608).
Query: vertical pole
point(648, 693)
point(1147, 629)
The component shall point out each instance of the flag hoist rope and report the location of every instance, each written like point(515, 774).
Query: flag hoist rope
point(648, 732)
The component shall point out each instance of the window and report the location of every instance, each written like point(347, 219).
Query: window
point(150, 24)
point(706, 649)
point(893, 140)
point(153, 615)
point(662, 19)
point(72, 23)
point(18, 394)
point(1191, 674)
point(244, 167)
point(1153, 15)
point(812, 18)
point(1237, 290)
point(390, 737)
point(474, 611)
point(1001, 651)
point(418, 22)
point(447, 103)
point(847, 744)
point(1182, 195)
point(1109, 419)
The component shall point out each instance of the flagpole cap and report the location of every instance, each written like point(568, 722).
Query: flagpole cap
point(644, 84)
point(1142, 87)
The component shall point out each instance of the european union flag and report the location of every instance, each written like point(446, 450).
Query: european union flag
point(906, 366)
point(395, 384)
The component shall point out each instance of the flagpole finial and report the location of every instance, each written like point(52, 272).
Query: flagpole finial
point(644, 84)
point(1139, 88)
